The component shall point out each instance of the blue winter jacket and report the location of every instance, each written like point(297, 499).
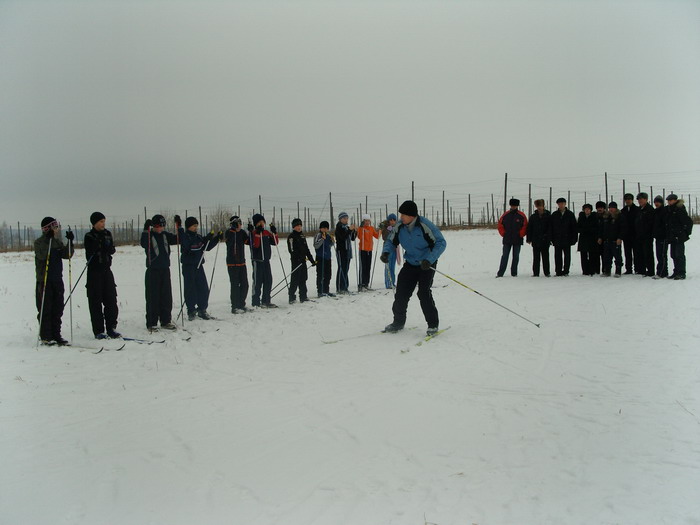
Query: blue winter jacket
point(425, 242)
point(193, 245)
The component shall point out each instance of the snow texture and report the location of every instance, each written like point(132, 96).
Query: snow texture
point(592, 419)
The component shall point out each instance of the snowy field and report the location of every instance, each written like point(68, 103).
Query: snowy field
point(592, 419)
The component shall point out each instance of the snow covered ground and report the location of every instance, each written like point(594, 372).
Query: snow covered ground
point(592, 419)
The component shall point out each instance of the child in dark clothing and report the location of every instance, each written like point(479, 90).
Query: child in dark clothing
point(299, 251)
point(194, 277)
point(323, 243)
point(236, 240)
point(262, 240)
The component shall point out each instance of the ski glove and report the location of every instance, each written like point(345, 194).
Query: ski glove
point(250, 227)
point(178, 221)
point(273, 228)
point(147, 225)
point(384, 257)
point(425, 264)
point(69, 235)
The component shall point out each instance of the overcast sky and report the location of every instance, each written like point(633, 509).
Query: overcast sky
point(115, 105)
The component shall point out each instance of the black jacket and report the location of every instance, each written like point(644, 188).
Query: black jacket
point(612, 227)
point(236, 246)
point(659, 230)
point(158, 252)
point(630, 218)
point(512, 226)
point(644, 223)
point(99, 248)
point(343, 238)
point(298, 249)
point(563, 228)
point(539, 229)
point(59, 251)
point(679, 225)
point(588, 232)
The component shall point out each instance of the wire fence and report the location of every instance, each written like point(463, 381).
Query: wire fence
point(469, 205)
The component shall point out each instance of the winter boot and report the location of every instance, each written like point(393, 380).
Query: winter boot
point(432, 330)
point(393, 328)
point(191, 316)
point(168, 326)
point(101, 336)
point(112, 333)
point(204, 315)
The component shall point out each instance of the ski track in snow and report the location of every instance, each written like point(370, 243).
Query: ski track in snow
point(593, 418)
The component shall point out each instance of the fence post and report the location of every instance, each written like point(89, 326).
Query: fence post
point(505, 194)
point(607, 198)
point(469, 209)
point(529, 200)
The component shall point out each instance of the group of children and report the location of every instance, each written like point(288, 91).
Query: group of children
point(258, 238)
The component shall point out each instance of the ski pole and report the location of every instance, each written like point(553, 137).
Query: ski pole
point(43, 292)
point(482, 295)
point(357, 265)
point(70, 282)
point(281, 263)
point(295, 269)
point(374, 263)
point(179, 275)
point(290, 275)
point(78, 281)
point(213, 269)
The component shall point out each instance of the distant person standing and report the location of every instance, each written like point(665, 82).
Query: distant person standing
point(512, 226)
point(539, 236)
point(193, 276)
point(101, 288)
point(323, 244)
point(610, 238)
point(644, 233)
point(262, 239)
point(385, 228)
point(299, 253)
point(679, 226)
point(563, 237)
point(366, 234)
point(345, 234)
point(49, 252)
point(588, 240)
point(629, 237)
point(660, 212)
point(423, 243)
point(600, 209)
point(236, 240)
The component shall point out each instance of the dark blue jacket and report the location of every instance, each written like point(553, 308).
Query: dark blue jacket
point(323, 246)
point(158, 252)
point(193, 246)
point(344, 237)
point(512, 226)
point(99, 248)
point(236, 242)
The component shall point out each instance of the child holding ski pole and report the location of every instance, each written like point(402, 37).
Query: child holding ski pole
point(194, 277)
point(236, 239)
point(49, 252)
point(262, 240)
point(345, 234)
point(159, 296)
point(366, 234)
point(299, 252)
point(385, 228)
point(323, 243)
point(101, 288)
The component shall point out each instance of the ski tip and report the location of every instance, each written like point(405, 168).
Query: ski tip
point(100, 350)
point(537, 325)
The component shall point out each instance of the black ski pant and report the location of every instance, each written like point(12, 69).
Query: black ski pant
point(365, 267)
point(612, 250)
point(678, 256)
point(540, 252)
point(297, 281)
point(262, 282)
point(102, 300)
point(588, 262)
point(597, 258)
point(159, 296)
point(323, 276)
point(646, 257)
point(409, 277)
point(632, 259)
point(506, 255)
point(238, 275)
point(196, 288)
point(662, 257)
point(50, 327)
point(342, 281)
point(562, 259)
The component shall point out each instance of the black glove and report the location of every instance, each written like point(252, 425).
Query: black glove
point(69, 235)
point(425, 264)
point(384, 257)
point(178, 221)
point(49, 232)
point(273, 229)
point(221, 235)
point(147, 225)
point(250, 228)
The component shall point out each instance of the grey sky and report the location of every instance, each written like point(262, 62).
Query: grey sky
point(115, 105)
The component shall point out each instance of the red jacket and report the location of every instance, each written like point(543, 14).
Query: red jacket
point(512, 226)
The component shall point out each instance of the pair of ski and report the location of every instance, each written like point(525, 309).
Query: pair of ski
point(419, 343)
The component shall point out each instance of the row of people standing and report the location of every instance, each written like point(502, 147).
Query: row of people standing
point(601, 236)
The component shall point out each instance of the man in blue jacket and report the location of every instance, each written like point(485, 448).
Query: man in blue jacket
point(423, 244)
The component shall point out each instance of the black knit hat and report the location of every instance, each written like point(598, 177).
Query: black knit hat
point(628, 197)
point(561, 199)
point(190, 221)
point(158, 220)
point(296, 222)
point(96, 217)
point(514, 202)
point(409, 208)
point(257, 218)
point(612, 204)
point(324, 224)
point(659, 198)
point(46, 223)
point(235, 220)
point(587, 206)
point(600, 204)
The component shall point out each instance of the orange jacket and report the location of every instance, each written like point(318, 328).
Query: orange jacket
point(364, 235)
